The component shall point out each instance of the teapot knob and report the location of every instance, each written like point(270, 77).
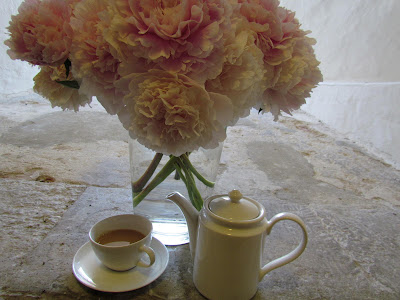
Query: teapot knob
point(235, 196)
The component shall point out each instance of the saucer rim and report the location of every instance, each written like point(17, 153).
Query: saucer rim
point(160, 247)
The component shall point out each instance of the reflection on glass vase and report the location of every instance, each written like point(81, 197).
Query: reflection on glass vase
point(169, 225)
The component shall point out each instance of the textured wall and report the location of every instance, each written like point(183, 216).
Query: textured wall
point(15, 76)
point(358, 45)
point(365, 112)
point(357, 40)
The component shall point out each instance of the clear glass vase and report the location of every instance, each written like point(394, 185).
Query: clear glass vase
point(169, 225)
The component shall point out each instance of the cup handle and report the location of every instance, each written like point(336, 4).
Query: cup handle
point(150, 253)
point(279, 262)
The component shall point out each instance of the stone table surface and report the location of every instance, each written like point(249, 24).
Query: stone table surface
point(60, 172)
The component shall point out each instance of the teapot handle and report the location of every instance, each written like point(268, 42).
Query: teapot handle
point(279, 262)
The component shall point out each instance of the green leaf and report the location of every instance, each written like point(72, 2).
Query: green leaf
point(71, 84)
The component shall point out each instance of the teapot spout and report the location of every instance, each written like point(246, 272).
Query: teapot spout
point(191, 216)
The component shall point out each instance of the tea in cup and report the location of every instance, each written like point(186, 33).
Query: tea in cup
point(119, 242)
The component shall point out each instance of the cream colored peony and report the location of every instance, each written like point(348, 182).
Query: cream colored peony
point(40, 33)
point(243, 77)
point(296, 78)
point(91, 57)
point(59, 95)
point(172, 114)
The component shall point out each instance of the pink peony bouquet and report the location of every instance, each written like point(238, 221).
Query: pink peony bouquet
point(176, 72)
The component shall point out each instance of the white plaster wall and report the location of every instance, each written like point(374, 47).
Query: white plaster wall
point(15, 76)
point(358, 45)
point(367, 113)
point(357, 40)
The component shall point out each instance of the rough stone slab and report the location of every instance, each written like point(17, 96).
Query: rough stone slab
point(29, 211)
point(79, 148)
point(63, 127)
point(305, 162)
point(351, 254)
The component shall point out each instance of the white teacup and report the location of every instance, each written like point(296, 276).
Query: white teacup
point(119, 255)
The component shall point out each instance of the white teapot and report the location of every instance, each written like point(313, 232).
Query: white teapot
point(227, 239)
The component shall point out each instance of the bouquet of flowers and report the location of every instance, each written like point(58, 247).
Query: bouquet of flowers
point(176, 72)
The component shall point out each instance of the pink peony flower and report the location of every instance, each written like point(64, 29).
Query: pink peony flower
point(291, 69)
point(262, 18)
point(59, 95)
point(295, 80)
point(282, 48)
point(172, 114)
point(40, 33)
point(180, 36)
point(276, 28)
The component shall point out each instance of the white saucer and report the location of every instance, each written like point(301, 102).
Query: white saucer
point(92, 273)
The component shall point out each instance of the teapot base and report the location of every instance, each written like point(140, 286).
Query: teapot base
point(223, 295)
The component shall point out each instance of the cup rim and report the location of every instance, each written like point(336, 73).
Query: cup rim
point(116, 216)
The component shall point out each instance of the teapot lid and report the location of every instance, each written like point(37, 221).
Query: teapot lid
point(234, 207)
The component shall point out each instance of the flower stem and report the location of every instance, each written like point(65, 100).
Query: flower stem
point(193, 192)
point(184, 171)
point(160, 177)
point(189, 165)
point(138, 185)
point(180, 174)
point(197, 199)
